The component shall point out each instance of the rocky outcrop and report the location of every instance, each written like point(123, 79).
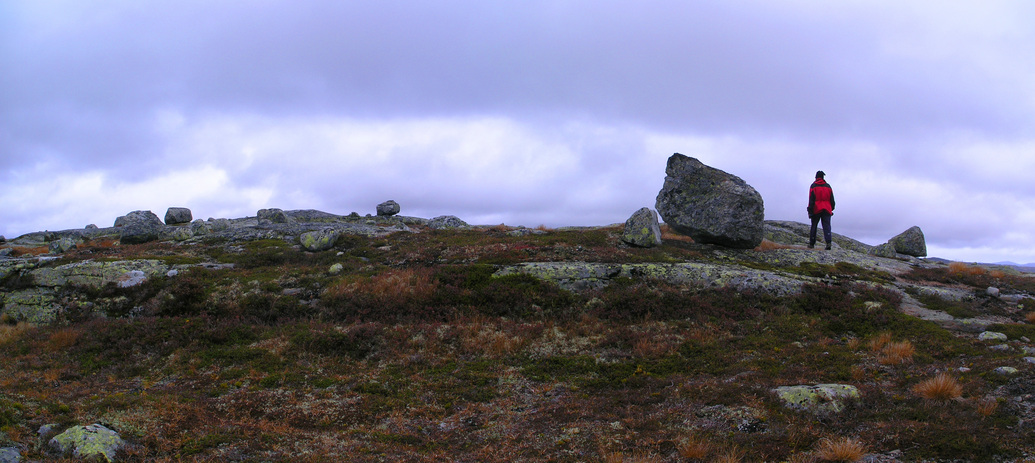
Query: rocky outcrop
point(178, 215)
point(818, 399)
point(388, 208)
point(272, 215)
point(797, 234)
point(709, 205)
point(642, 229)
point(139, 227)
point(10, 455)
point(93, 442)
point(445, 222)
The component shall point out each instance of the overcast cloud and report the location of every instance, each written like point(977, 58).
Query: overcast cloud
point(525, 113)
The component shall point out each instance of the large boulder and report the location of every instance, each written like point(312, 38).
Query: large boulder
point(388, 208)
point(273, 215)
point(178, 215)
point(642, 229)
point(139, 227)
point(319, 240)
point(93, 442)
point(709, 205)
point(910, 242)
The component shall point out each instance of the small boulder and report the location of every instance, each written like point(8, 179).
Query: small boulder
point(447, 222)
point(273, 215)
point(642, 229)
point(821, 398)
point(139, 227)
point(336, 269)
point(910, 242)
point(320, 240)
point(992, 291)
point(992, 336)
point(388, 208)
point(92, 226)
point(178, 215)
point(88, 442)
point(10, 455)
point(64, 244)
point(709, 205)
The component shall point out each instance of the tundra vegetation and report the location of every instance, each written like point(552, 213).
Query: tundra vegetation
point(415, 351)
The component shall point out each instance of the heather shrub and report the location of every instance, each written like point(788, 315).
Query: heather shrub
point(356, 341)
point(474, 289)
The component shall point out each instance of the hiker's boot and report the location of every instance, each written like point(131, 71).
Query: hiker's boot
point(828, 246)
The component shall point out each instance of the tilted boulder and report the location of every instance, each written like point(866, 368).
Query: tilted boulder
point(139, 227)
point(642, 229)
point(910, 242)
point(709, 205)
point(388, 208)
point(178, 215)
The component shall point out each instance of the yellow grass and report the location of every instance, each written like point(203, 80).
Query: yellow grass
point(987, 406)
point(9, 332)
point(896, 353)
point(843, 449)
point(941, 387)
point(877, 344)
point(1030, 317)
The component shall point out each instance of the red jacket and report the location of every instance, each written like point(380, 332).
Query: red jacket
point(821, 198)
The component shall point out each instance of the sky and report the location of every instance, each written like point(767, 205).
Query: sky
point(532, 112)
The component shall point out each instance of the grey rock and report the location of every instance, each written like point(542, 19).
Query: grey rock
point(219, 224)
point(320, 240)
point(92, 227)
point(10, 455)
point(6, 252)
point(132, 278)
point(709, 205)
point(88, 442)
point(910, 242)
point(1006, 371)
point(139, 227)
point(182, 234)
point(884, 250)
point(819, 399)
point(273, 215)
point(2, 239)
point(46, 430)
point(336, 269)
point(388, 208)
point(200, 227)
point(992, 292)
point(642, 229)
point(797, 234)
point(992, 336)
point(64, 244)
point(447, 222)
point(178, 215)
point(1029, 359)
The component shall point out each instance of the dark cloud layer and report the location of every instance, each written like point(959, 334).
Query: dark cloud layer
point(905, 103)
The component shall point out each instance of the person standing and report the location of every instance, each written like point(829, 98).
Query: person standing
point(821, 207)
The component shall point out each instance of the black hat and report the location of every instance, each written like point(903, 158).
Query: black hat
point(820, 174)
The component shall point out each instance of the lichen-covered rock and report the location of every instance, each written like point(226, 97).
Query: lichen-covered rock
point(992, 336)
point(910, 242)
point(388, 208)
point(709, 205)
point(34, 305)
point(444, 222)
point(819, 399)
point(273, 215)
point(320, 240)
point(884, 250)
point(64, 244)
point(642, 229)
point(139, 227)
point(178, 215)
point(336, 269)
point(88, 442)
point(1006, 371)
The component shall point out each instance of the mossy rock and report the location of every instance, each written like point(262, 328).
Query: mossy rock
point(93, 442)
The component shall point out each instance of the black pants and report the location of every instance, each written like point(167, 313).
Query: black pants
point(825, 217)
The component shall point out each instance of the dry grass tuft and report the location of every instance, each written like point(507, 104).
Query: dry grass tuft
point(729, 455)
point(1030, 317)
point(771, 246)
point(987, 406)
point(694, 448)
point(10, 332)
point(997, 274)
point(667, 233)
point(941, 387)
point(896, 353)
point(877, 344)
point(843, 449)
point(63, 339)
